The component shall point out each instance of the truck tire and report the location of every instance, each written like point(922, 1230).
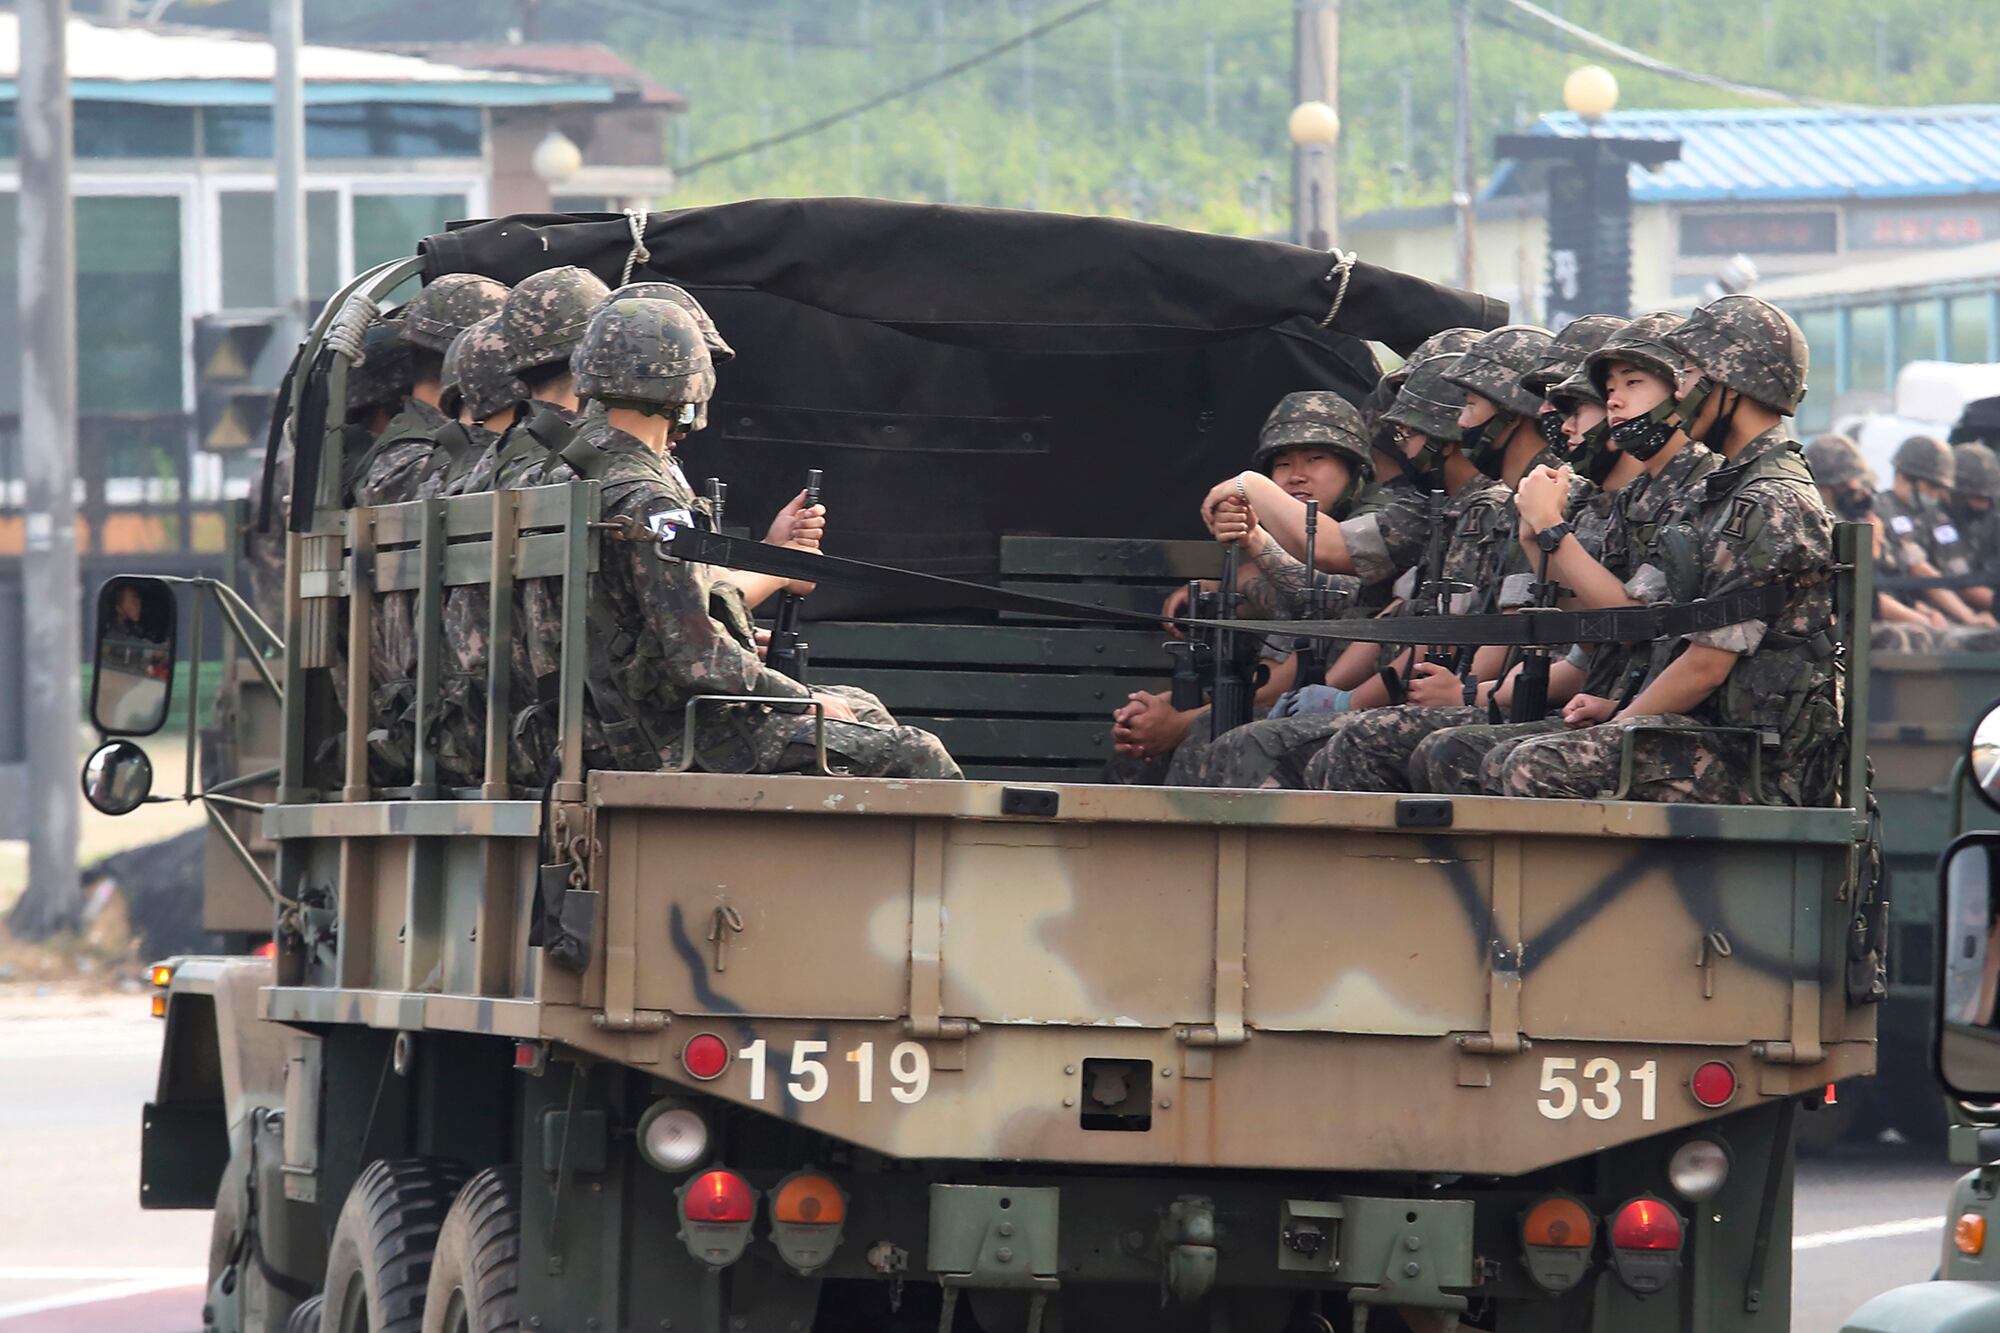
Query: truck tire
point(379, 1262)
point(305, 1319)
point(476, 1274)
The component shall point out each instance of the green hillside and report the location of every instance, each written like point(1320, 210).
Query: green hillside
point(1175, 109)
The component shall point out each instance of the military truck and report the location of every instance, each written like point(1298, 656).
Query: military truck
point(699, 1051)
point(1964, 1295)
point(1918, 707)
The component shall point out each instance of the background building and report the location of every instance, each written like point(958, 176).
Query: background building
point(1796, 191)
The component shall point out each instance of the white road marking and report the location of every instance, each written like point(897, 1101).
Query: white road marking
point(95, 1295)
point(56, 1273)
point(1908, 1226)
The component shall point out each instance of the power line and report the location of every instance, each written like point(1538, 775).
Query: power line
point(1640, 60)
point(894, 94)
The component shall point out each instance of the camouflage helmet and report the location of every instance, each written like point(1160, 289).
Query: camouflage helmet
point(544, 316)
point(1642, 343)
point(1564, 357)
point(1577, 387)
point(1747, 344)
point(1493, 367)
point(385, 373)
point(1450, 342)
point(1924, 458)
point(1317, 418)
point(477, 367)
point(448, 307)
point(643, 350)
point(1836, 460)
point(1427, 403)
point(1975, 470)
point(718, 350)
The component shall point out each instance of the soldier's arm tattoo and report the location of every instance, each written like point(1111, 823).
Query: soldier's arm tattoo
point(1277, 585)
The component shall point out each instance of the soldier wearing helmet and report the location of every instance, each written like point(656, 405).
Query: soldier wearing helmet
point(1754, 526)
point(665, 633)
point(538, 329)
point(399, 460)
point(1847, 485)
point(1498, 419)
point(485, 396)
point(1928, 542)
point(1975, 488)
point(1276, 751)
point(1314, 447)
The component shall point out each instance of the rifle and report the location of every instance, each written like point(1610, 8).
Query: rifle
point(718, 494)
point(1531, 686)
point(1233, 694)
point(1311, 653)
point(1191, 659)
point(1432, 597)
point(788, 651)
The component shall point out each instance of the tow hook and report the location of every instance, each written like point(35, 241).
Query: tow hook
point(1187, 1233)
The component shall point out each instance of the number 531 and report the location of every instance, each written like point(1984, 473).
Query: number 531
point(1597, 1089)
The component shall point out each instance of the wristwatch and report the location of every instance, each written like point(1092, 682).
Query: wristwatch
point(1552, 536)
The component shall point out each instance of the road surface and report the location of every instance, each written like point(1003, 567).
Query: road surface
point(77, 1255)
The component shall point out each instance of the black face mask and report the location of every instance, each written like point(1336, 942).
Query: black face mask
point(1853, 504)
point(1643, 437)
point(1481, 444)
point(1549, 425)
point(1717, 434)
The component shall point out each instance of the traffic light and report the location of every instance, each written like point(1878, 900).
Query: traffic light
point(232, 403)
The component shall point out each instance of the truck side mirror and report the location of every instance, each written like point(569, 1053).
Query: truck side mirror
point(132, 676)
point(1967, 1053)
point(117, 778)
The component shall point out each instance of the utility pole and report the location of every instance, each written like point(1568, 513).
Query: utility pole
point(1316, 78)
point(1461, 170)
point(47, 267)
point(288, 153)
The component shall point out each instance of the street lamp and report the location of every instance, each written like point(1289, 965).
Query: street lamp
point(1590, 92)
point(556, 158)
point(1314, 128)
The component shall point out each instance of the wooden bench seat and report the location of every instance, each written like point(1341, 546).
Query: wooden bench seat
point(1013, 697)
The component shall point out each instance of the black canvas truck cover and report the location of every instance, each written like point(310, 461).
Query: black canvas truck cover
point(960, 373)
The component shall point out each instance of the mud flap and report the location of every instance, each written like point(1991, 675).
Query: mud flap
point(183, 1150)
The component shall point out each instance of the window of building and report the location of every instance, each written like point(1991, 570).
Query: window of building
point(388, 226)
point(127, 129)
point(361, 130)
point(1969, 322)
point(1868, 369)
point(248, 275)
point(112, 130)
point(1917, 327)
point(128, 314)
point(1816, 413)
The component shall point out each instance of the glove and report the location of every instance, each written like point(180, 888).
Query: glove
point(1310, 699)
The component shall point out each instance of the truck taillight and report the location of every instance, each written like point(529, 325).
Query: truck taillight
point(705, 1056)
point(719, 1196)
point(1558, 1235)
point(718, 1208)
point(1713, 1084)
point(1646, 1243)
point(807, 1210)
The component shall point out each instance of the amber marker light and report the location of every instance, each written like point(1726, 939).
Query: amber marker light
point(162, 974)
point(1968, 1235)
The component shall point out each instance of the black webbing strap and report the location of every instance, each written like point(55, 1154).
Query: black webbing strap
point(1529, 627)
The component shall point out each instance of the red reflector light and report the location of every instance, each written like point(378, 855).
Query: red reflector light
point(1713, 1084)
point(705, 1056)
point(719, 1196)
point(268, 949)
point(1646, 1224)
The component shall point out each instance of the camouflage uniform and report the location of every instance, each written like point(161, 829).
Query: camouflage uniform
point(1463, 760)
point(477, 367)
point(1275, 752)
point(1924, 530)
point(664, 631)
point(1320, 420)
point(1758, 520)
